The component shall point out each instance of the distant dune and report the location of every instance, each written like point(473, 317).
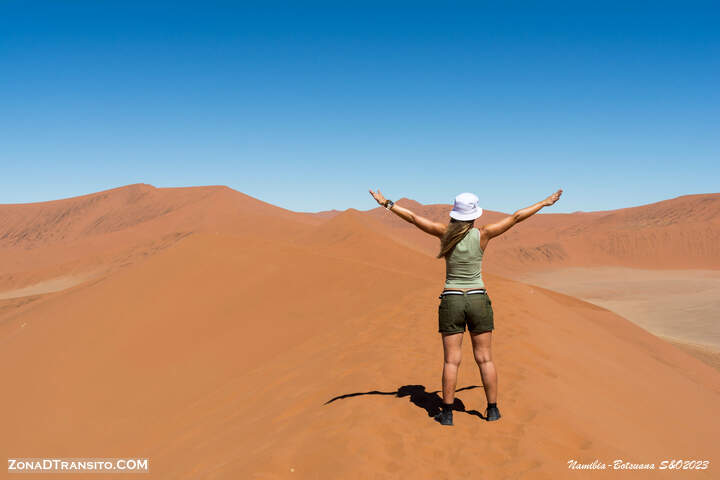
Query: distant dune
point(116, 227)
point(680, 233)
point(223, 337)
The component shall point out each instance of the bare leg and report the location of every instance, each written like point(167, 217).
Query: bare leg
point(452, 347)
point(482, 343)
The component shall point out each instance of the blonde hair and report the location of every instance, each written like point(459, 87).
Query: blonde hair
point(455, 231)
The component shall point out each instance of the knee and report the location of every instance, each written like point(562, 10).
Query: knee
point(453, 361)
point(483, 357)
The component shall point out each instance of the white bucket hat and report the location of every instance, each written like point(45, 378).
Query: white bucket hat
point(466, 207)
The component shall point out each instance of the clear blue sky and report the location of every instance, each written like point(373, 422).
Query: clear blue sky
point(306, 105)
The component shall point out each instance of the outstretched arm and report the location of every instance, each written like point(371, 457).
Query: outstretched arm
point(495, 229)
point(424, 224)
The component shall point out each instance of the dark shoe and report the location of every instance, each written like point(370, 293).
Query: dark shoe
point(492, 413)
point(445, 418)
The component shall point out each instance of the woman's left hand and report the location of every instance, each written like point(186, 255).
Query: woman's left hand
point(552, 198)
point(379, 197)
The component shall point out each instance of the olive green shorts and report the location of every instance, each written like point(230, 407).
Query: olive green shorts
point(474, 310)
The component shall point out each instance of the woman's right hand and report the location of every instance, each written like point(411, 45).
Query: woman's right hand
point(552, 198)
point(379, 197)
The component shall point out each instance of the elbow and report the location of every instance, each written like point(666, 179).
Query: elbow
point(516, 217)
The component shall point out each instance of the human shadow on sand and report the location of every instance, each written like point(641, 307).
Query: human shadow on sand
point(428, 401)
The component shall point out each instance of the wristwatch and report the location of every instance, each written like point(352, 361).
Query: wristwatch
point(389, 204)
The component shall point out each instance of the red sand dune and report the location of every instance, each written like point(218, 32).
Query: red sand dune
point(234, 352)
point(117, 227)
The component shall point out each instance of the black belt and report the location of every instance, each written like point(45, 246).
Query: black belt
point(460, 292)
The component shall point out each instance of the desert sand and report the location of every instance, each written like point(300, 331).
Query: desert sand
point(220, 349)
point(683, 305)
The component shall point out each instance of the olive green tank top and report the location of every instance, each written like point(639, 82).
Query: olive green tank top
point(463, 266)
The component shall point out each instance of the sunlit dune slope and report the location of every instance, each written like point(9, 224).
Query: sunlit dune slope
point(104, 230)
point(247, 355)
point(353, 235)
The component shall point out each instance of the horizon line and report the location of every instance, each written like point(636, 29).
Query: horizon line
point(335, 209)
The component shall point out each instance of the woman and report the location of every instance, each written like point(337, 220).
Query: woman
point(464, 300)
